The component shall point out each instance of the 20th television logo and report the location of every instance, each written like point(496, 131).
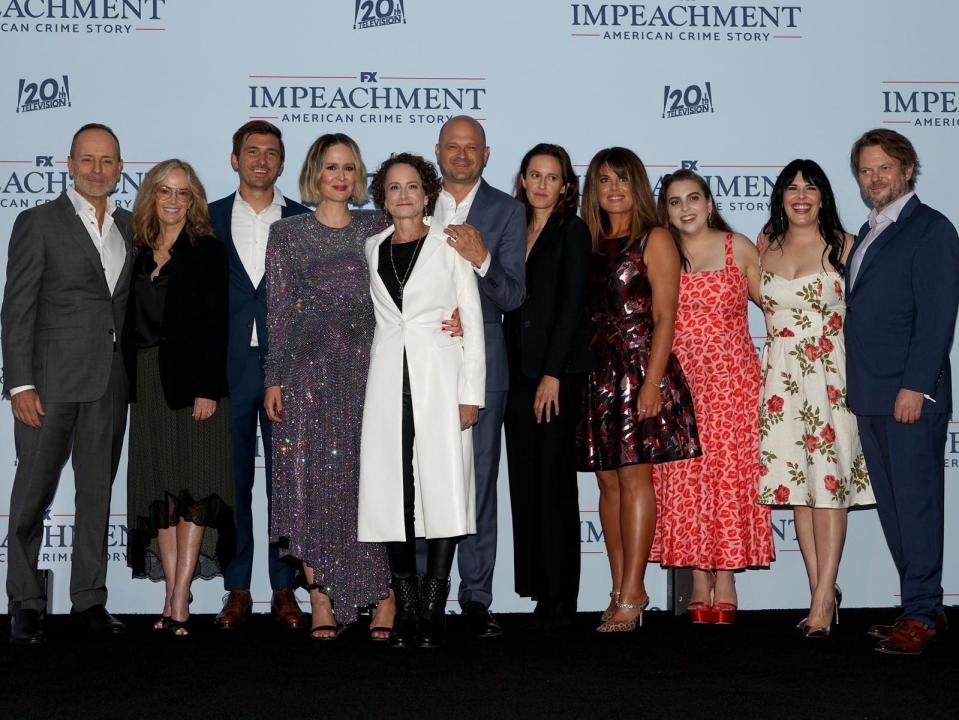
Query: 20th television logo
point(376, 13)
point(689, 100)
point(43, 95)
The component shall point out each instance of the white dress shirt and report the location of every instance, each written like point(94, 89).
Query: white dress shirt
point(106, 239)
point(878, 220)
point(447, 212)
point(251, 230)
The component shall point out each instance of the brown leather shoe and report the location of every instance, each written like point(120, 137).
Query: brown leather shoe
point(881, 632)
point(909, 638)
point(236, 610)
point(286, 611)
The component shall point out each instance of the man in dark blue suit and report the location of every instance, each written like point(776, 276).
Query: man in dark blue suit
point(488, 228)
point(902, 293)
point(242, 221)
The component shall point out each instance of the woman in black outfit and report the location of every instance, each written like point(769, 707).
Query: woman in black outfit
point(548, 345)
point(180, 478)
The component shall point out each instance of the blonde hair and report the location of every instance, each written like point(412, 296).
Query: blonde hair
point(313, 169)
point(146, 225)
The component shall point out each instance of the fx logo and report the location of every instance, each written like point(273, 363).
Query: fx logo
point(691, 165)
point(44, 161)
point(367, 76)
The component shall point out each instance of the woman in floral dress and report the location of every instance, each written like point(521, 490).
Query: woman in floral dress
point(809, 444)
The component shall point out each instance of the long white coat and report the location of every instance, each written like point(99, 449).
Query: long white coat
point(444, 373)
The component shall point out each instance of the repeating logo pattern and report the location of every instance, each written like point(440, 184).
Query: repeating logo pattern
point(377, 13)
point(43, 94)
point(686, 21)
point(368, 97)
point(90, 17)
point(689, 100)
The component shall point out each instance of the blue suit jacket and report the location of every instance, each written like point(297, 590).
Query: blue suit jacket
point(501, 220)
point(247, 303)
point(901, 313)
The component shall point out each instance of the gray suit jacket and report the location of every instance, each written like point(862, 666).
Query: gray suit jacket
point(59, 319)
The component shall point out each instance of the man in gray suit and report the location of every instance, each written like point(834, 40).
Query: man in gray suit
point(68, 276)
point(487, 227)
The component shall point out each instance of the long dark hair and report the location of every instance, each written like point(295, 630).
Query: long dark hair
point(830, 226)
point(625, 163)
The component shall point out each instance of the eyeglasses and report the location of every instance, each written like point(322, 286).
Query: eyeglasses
point(180, 194)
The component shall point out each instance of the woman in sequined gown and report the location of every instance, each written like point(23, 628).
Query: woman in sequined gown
point(803, 251)
point(638, 407)
point(708, 517)
point(321, 325)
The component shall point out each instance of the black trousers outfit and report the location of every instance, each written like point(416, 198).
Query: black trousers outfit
point(544, 495)
point(402, 555)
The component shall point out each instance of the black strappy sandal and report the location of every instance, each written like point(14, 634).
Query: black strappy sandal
point(174, 626)
point(335, 629)
point(161, 623)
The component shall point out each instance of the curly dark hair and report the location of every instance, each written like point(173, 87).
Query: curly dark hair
point(830, 226)
point(426, 170)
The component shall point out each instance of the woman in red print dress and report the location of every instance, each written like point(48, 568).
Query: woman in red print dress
point(638, 407)
point(709, 517)
point(809, 441)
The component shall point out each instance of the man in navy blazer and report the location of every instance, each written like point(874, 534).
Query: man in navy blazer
point(242, 221)
point(488, 228)
point(902, 294)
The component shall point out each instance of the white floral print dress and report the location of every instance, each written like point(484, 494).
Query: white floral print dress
point(809, 443)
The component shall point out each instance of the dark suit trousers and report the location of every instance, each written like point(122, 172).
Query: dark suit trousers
point(905, 465)
point(246, 406)
point(544, 495)
point(476, 554)
point(92, 433)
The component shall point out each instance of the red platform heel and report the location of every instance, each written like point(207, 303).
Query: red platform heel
point(725, 613)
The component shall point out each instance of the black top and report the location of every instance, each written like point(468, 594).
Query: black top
point(397, 260)
point(188, 323)
point(550, 333)
point(150, 299)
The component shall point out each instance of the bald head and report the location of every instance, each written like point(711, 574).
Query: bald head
point(464, 122)
point(461, 152)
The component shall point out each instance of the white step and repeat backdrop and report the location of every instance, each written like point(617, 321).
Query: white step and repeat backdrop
point(734, 91)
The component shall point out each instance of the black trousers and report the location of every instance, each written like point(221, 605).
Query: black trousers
point(544, 496)
point(402, 555)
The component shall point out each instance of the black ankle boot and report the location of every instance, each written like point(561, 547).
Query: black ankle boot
point(405, 623)
point(433, 594)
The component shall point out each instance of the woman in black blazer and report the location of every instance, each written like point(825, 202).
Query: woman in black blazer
point(548, 345)
point(180, 477)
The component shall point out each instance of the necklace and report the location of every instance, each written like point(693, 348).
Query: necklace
point(409, 268)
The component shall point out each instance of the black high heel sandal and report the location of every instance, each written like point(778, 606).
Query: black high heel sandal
point(174, 626)
point(335, 629)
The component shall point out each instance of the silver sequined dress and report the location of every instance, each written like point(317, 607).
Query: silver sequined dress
point(321, 327)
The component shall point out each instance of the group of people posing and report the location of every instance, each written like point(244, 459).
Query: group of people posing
point(381, 351)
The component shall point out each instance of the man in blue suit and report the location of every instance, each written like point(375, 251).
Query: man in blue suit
point(242, 221)
point(902, 293)
point(488, 228)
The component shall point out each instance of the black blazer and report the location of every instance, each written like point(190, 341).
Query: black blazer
point(247, 303)
point(193, 334)
point(549, 334)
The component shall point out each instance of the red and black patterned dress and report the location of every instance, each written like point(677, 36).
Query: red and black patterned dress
point(611, 433)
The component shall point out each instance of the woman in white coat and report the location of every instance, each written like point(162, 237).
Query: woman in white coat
point(423, 395)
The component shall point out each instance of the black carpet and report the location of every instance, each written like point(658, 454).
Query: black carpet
point(758, 668)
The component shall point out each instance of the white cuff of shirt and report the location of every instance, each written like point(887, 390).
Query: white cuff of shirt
point(484, 268)
point(21, 388)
